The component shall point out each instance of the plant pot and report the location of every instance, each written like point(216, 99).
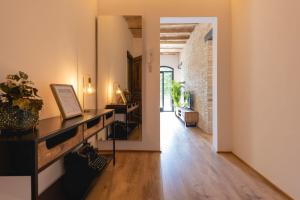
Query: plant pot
point(16, 121)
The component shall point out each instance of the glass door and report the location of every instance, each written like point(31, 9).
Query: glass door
point(166, 78)
point(161, 91)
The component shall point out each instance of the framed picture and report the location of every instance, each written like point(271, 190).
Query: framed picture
point(66, 100)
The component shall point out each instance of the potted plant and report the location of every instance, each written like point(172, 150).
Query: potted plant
point(186, 98)
point(19, 104)
point(176, 93)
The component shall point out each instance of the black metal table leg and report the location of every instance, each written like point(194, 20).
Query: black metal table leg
point(126, 125)
point(114, 146)
point(34, 185)
point(107, 133)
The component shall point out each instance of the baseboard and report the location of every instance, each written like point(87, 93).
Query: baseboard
point(262, 176)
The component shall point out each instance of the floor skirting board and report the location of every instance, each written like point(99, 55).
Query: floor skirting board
point(262, 176)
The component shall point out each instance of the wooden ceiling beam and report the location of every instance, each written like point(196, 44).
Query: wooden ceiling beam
point(175, 34)
point(134, 21)
point(186, 30)
point(179, 37)
point(172, 41)
point(178, 25)
point(134, 25)
point(173, 37)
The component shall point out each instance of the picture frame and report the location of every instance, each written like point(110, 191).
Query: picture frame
point(66, 100)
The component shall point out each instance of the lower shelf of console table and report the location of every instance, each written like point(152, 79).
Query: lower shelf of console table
point(56, 191)
point(27, 155)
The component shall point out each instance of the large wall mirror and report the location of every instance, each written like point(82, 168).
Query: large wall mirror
point(119, 49)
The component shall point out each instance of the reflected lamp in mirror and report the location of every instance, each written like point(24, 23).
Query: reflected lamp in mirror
point(120, 93)
point(87, 88)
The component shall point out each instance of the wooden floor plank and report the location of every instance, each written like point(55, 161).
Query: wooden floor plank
point(187, 169)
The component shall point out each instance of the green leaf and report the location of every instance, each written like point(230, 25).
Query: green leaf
point(14, 77)
point(23, 75)
point(19, 91)
point(4, 87)
point(176, 92)
point(35, 91)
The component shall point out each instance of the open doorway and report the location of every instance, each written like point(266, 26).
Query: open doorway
point(166, 78)
point(188, 76)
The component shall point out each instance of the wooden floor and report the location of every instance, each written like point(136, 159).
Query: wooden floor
point(136, 133)
point(187, 169)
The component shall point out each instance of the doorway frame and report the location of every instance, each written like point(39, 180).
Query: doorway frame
point(215, 110)
point(163, 96)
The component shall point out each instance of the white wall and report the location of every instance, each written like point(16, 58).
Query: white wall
point(172, 61)
point(47, 39)
point(152, 10)
point(265, 87)
point(114, 40)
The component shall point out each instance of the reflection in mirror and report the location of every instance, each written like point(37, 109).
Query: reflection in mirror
point(120, 72)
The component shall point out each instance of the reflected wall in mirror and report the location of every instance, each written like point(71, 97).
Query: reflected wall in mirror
point(120, 47)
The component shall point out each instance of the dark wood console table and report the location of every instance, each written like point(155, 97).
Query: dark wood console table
point(27, 155)
point(125, 109)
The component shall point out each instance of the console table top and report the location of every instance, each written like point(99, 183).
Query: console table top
point(55, 125)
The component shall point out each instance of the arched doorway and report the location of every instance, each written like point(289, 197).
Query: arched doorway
point(166, 78)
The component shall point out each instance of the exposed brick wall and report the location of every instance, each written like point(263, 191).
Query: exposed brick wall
point(197, 74)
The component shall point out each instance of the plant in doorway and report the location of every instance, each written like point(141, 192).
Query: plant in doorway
point(19, 104)
point(176, 92)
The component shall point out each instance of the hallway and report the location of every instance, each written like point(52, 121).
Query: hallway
point(186, 169)
point(191, 170)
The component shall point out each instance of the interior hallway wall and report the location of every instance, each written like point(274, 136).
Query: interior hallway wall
point(49, 40)
point(196, 58)
point(265, 87)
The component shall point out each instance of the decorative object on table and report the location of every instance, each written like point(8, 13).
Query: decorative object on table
point(87, 88)
point(66, 100)
point(127, 95)
point(19, 104)
point(176, 92)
